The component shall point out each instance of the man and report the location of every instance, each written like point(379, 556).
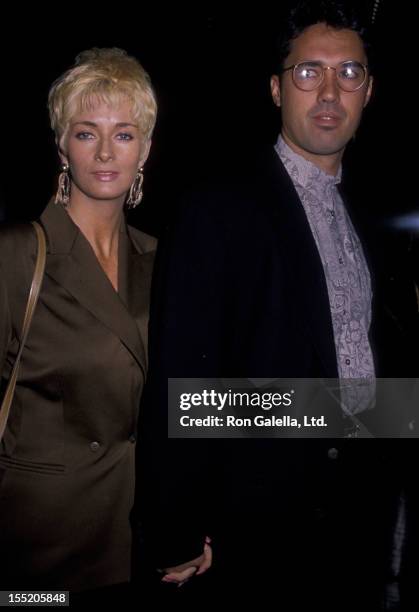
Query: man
point(266, 276)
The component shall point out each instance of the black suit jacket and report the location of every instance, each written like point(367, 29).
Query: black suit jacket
point(240, 291)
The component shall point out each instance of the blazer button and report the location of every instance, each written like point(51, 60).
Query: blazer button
point(132, 438)
point(333, 453)
point(94, 446)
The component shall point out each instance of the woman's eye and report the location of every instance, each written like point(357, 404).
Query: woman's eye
point(84, 135)
point(124, 136)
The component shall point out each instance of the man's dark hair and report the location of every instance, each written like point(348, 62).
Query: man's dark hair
point(337, 14)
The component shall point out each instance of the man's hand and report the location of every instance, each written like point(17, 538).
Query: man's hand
point(181, 573)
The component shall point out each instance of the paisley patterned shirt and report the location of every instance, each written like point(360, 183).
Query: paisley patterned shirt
point(345, 268)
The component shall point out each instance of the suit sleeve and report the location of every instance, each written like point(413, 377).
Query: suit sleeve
point(189, 307)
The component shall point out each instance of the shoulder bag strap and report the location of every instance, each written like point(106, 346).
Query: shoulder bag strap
point(30, 308)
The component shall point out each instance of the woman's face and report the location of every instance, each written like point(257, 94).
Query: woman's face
point(104, 149)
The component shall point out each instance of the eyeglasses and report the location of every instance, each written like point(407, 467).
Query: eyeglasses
point(308, 76)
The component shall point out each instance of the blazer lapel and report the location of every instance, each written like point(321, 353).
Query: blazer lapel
point(135, 270)
point(72, 263)
point(304, 266)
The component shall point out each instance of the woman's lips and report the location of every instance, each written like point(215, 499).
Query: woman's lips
point(106, 176)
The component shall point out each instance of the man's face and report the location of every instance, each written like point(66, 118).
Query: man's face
point(318, 124)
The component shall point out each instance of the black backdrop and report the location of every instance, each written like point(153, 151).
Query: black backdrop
point(211, 73)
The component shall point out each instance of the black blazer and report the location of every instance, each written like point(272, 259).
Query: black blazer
point(239, 291)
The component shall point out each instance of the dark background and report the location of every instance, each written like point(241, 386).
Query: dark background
point(211, 74)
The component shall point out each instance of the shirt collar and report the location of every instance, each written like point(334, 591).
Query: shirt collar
point(303, 172)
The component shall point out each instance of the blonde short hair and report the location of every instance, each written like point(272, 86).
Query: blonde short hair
point(108, 75)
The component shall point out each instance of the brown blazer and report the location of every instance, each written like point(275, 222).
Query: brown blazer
point(67, 457)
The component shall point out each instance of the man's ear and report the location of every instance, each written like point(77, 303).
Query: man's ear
point(369, 90)
point(276, 89)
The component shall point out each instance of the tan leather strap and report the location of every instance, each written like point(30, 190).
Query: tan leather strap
point(30, 308)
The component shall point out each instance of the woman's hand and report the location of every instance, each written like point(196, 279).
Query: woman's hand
point(179, 574)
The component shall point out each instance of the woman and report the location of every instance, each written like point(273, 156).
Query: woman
point(67, 456)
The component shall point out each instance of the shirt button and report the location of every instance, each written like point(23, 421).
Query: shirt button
point(333, 453)
point(132, 438)
point(347, 361)
point(94, 446)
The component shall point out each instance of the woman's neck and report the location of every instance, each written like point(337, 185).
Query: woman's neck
point(99, 222)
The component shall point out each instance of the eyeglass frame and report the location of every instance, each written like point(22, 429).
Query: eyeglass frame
point(324, 68)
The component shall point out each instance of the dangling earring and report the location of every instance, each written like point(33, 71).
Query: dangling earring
point(63, 192)
point(135, 193)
